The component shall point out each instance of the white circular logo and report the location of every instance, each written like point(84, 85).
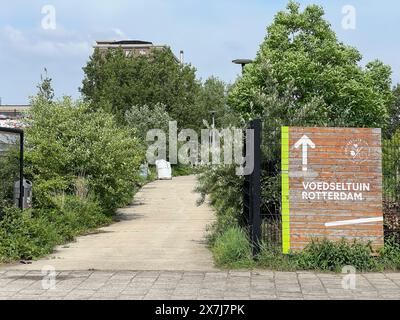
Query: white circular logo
point(357, 150)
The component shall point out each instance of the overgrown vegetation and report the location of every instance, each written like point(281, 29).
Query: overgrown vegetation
point(66, 140)
point(30, 234)
point(83, 156)
point(146, 92)
point(232, 249)
point(83, 166)
point(184, 170)
point(224, 189)
point(303, 76)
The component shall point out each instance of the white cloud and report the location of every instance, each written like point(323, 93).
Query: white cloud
point(119, 33)
point(57, 43)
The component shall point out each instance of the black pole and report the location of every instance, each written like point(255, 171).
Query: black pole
point(21, 171)
point(256, 188)
point(242, 62)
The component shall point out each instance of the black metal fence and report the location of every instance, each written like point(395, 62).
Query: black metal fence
point(11, 166)
point(271, 225)
point(391, 188)
point(252, 187)
point(261, 190)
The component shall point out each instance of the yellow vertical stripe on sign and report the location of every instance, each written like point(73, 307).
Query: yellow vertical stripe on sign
point(285, 190)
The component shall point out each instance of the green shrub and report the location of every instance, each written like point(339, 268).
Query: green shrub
point(75, 216)
point(326, 255)
point(31, 234)
point(232, 248)
point(333, 256)
point(183, 170)
point(45, 190)
point(389, 255)
point(25, 238)
point(223, 186)
point(66, 139)
point(273, 258)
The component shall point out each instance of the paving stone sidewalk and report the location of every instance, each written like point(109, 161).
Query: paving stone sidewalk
point(187, 285)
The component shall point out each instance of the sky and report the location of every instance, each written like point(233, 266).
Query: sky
point(59, 35)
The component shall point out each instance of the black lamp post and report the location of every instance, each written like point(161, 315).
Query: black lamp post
point(212, 136)
point(242, 62)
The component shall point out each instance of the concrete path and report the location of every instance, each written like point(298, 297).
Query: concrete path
point(189, 285)
point(162, 230)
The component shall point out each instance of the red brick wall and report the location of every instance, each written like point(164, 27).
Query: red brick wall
point(341, 155)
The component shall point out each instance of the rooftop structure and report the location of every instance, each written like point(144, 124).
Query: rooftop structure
point(133, 47)
point(13, 111)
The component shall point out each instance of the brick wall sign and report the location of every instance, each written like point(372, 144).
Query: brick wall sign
point(331, 185)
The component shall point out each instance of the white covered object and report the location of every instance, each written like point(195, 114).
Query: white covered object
point(164, 171)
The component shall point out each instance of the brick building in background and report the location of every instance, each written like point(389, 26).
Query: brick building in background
point(13, 111)
point(134, 47)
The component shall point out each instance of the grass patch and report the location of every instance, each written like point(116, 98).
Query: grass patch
point(272, 258)
point(183, 170)
point(325, 255)
point(28, 235)
point(232, 249)
point(389, 256)
point(25, 238)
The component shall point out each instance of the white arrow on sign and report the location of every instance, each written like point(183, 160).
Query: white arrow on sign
point(354, 221)
point(305, 142)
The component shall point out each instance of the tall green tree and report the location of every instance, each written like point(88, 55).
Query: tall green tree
point(145, 118)
point(302, 61)
point(213, 99)
point(45, 88)
point(116, 82)
point(394, 112)
point(212, 94)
